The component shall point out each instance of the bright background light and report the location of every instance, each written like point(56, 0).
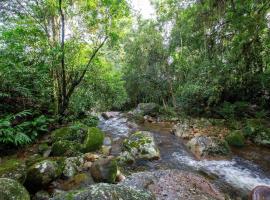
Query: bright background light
point(144, 7)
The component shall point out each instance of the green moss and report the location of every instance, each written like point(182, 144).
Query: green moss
point(43, 147)
point(76, 133)
point(236, 138)
point(13, 169)
point(136, 140)
point(12, 190)
point(65, 148)
point(94, 139)
point(221, 148)
point(112, 171)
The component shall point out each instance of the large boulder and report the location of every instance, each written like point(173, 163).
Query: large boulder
point(105, 191)
point(174, 184)
point(104, 170)
point(202, 146)
point(66, 148)
point(42, 173)
point(12, 190)
point(141, 145)
point(13, 169)
point(76, 133)
point(260, 193)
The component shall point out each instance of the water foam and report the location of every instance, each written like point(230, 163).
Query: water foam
point(237, 172)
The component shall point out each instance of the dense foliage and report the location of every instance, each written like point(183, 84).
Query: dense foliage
point(60, 59)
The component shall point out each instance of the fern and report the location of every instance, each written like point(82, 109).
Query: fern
point(25, 131)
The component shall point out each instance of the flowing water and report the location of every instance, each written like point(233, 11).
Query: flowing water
point(238, 174)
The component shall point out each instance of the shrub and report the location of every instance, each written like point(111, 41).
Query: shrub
point(236, 138)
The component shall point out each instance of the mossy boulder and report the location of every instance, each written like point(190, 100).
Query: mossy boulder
point(202, 146)
point(12, 190)
point(236, 139)
point(104, 170)
point(104, 191)
point(141, 145)
point(66, 148)
point(13, 169)
point(76, 133)
point(93, 140)
point(42, 173)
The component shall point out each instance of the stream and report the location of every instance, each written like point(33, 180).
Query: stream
point(237, 176)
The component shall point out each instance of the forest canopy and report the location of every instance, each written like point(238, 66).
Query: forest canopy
point(62, 58)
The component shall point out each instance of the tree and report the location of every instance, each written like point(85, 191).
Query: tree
point(73, 31)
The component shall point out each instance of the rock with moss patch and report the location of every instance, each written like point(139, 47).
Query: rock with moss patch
point(79, 181)
point(202, 146)
point(76, 133)
point(72, 166)
point(13, 169)
point(41, 195)
point(66, 148)
point(12, 190)
point(42, 173)
point(141, 145)
point(93, 140)
point(105, 191)
point(104, 170)
point(236, 139)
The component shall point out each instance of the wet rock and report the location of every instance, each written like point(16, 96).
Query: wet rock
point(182, 130)
point(107, 141)
point(41, 195)
point(260, 193)
point(174, 184)
point(203, 146)
point(125, 158)
point(42, 173)
point(104, 191)
point(106, 150)
point(108, 115)
point(72, 165)
point(141, 145)
point(12, 190)
point(79, 181)
point(104, 170)
point(13, 169)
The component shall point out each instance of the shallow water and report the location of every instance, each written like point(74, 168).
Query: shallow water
point(239, 174)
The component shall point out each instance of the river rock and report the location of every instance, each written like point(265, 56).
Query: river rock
point(141, 145)
point(72, 165)
point(146, 109)
point(41, 195)
point(109, 115)
point(12, 190)
point(103, 191)
point(260, 193)
point(174, 184)
point(182, 130)
point(42, 173)
point(104, 170)
point(13, 169)
point(202, 146)
point(80, 180)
